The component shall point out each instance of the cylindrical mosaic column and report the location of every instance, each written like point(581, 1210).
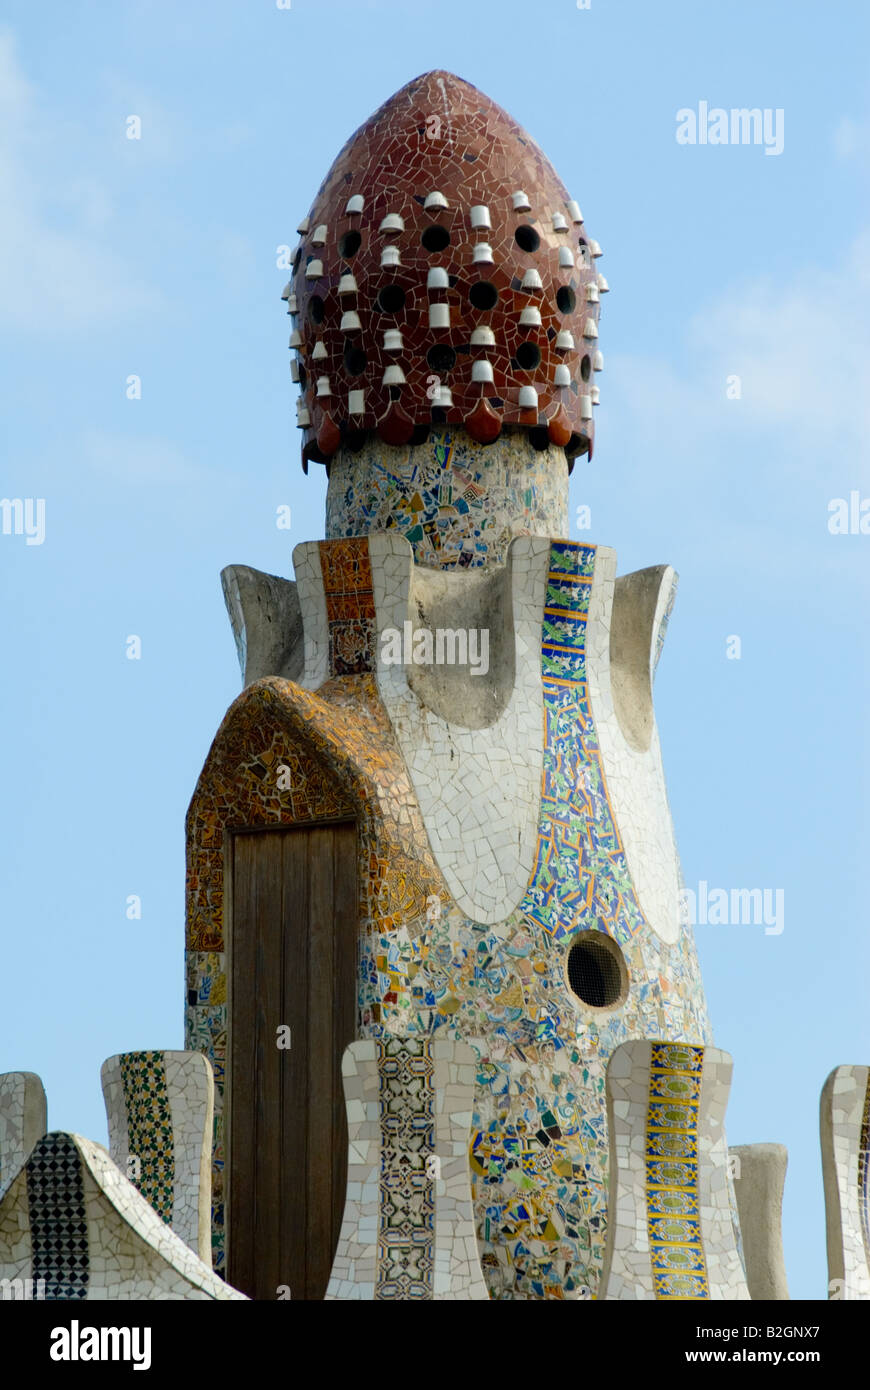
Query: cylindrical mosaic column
point(458, 502)
point(408, 1229)
point(845, 1135)
point(670, 1232)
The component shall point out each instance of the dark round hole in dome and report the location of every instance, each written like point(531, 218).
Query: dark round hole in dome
point(526, 237)
point(354, 359)
point(296, 259)
point(483, 295)
point(435, 238)
point(596, 970)
point(316, 309)
point(353, 439)
point(349, 245)
point(538, 438)
point(441, 357)
point(566, 299)
point(303, 377)
point(586, 367)
point(420, 435)
point(391, 299)
point(528, 356)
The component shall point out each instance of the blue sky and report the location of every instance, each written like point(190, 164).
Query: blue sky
point(157, 257)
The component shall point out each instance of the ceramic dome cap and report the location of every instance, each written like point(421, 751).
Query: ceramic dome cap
point(429, 160)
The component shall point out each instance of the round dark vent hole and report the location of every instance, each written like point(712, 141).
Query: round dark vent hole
point(566, 299)
point(597, 972)
point(586, 367)
point(354, 360)
point(391, 299)
point(316, 309)
point(441, 357)
point(435, 238)
point(353, 440)
point(303, 377)
point(483, 295)
point(349, 245)
point(528, 356)
point(527, 238)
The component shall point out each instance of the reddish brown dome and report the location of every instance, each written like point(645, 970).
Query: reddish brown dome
point(444, 273)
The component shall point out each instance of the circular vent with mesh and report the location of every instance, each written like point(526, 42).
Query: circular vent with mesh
point(597, 972)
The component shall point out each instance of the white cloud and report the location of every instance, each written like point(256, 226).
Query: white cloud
point(752, 477)
point(801, 348)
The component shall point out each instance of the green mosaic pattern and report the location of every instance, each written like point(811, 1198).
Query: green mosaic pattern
point(149, 1129)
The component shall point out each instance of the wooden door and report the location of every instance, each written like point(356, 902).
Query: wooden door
point(293, 958)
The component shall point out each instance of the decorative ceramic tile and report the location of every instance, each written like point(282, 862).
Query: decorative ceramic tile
point(58, 1221)
point(160, 1110)
point(408, 1228)
point(457, 502)
point(340, 760)
point(496, 974)
point(73, 1227)
point(671, 1233)
point(429, 286)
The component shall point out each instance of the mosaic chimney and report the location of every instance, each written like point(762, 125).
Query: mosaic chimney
point(432, 838)
point(438, 307)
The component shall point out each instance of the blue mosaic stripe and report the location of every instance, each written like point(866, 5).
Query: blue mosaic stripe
point(677, 1260)
point(580, 880)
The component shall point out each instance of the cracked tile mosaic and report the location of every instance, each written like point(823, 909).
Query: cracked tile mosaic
point(863, 1158)
point(408, 1227)
point(58, 1221)
point(407, 1201)
point(22, 1121)
point(426, 966)
point(457, 502)
point(671, 1229)
point(149, 1129)
point(340, 761)
point(160, 1112)
point(350, 609)
point(74, 1227)
point(448, 278)
point(580, 877)
point(845, 1130)
point(676, 1251)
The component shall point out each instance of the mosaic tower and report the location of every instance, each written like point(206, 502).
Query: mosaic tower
point(437, 812)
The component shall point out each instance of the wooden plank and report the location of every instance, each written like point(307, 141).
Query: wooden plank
point(242, 1134)
point(344, 969)
point(293, 953)
point(321, 929)
point(266, 1081)
point(293, 1199)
